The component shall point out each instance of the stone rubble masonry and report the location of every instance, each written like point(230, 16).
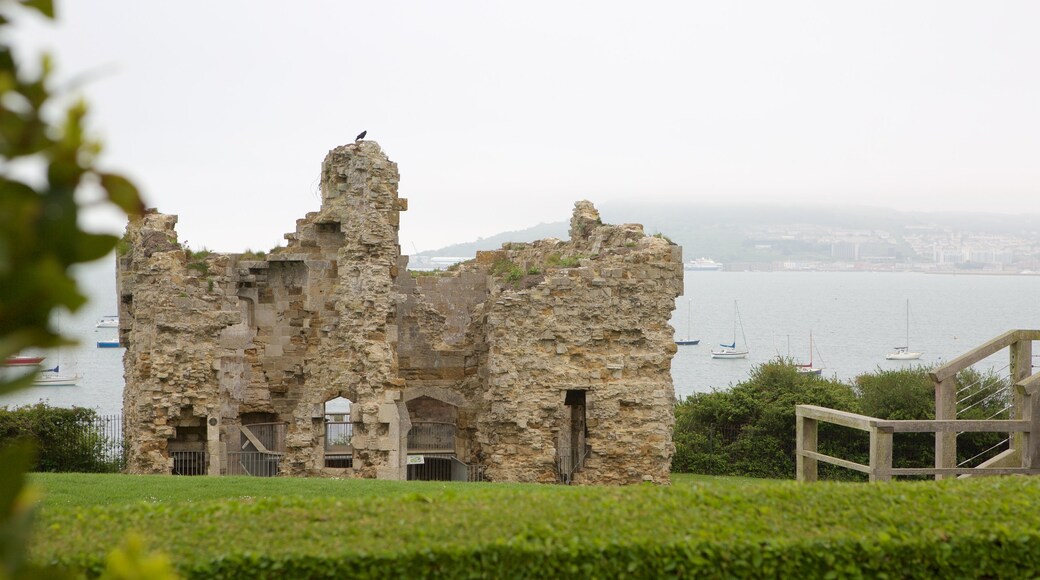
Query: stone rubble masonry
point(215, 342)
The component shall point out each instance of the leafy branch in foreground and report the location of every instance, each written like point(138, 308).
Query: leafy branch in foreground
point(40, 237)
point(46, 160)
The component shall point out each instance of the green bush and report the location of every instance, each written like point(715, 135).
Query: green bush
point(749, 429)
point(66, 439)
point(948, 529)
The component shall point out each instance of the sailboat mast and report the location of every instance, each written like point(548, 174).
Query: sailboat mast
point(908, 324)
point(689, 318)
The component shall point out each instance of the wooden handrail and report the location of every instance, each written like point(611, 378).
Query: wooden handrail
point(881, 431)
point(1030, 385)
point(843, 418)
point(978, 353)
point(947, 426)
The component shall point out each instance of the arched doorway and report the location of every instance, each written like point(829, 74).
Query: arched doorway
point(339, 429)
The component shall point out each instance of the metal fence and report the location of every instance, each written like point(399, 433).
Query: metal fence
point(444, 468)
point(253, 463)
point(270, 436)
point(431, 436)
point(84, 445)
point(338, 432)
point(189, 462)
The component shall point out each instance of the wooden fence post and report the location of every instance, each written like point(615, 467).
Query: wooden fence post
point(1021, 365)
point(946, 410)
point(805, 440)
point(880, 454)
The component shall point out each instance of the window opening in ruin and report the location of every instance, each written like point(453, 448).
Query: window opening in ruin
point(261, 446)
point(573, 433)
point(431, 441)
point(187, 447)
point(338, 431)
point(433, 426)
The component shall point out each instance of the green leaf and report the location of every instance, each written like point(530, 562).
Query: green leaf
point(15, 384)
point(45, 7)
point(94, 246)
point(122, 193)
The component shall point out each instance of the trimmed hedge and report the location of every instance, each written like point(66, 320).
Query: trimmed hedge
point(959, 528)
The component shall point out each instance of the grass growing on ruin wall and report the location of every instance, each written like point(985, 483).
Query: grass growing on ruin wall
point(956, 528)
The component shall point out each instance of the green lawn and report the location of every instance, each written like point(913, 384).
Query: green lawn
point(88, 489)
point(239, 527)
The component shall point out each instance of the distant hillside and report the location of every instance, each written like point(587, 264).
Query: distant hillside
point(729, 233)
point(538, 232)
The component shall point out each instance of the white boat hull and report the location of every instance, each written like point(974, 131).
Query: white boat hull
point(729, 354)
point(58, 381)
point(903, 355)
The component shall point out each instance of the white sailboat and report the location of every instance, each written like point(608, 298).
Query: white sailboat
point(730, 350)
point(689, 323)
point(904, 352)
point(54, 378)
point(809, 369)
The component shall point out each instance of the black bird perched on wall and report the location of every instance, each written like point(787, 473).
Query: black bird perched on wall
point(360, 136)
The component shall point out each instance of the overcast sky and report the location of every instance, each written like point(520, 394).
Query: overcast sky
point(500, 115)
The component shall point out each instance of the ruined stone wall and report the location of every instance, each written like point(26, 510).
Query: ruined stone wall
point(175, 315)
point(357, 352)
point(441, 349)
point(532, 351)
point(212, 339)
point(588, 315)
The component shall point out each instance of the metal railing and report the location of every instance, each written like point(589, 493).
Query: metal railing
point(189, 462)
point(567, 464)
point(338, 434)
point(255, 463)
point(265, 437)
point(432, 436)
point(80, 445)
point(444, 468)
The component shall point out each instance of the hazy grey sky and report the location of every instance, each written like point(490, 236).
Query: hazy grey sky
point(500, 115)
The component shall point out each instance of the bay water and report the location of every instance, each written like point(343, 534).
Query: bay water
point(855, 319)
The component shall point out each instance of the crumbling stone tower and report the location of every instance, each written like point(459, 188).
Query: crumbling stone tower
point(537, 362)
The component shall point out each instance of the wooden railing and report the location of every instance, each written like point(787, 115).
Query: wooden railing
point(880, 466)
point(1020, 346)
point(1022, 457)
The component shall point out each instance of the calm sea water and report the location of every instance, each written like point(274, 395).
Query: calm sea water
point(855, 319)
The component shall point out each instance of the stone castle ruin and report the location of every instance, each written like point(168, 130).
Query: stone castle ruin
point(539, 362)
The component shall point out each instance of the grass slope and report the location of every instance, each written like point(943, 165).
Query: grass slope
point(228, 527)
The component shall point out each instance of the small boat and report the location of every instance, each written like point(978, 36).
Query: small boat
point(702, 265)
point(114, 343)
point(730, 350)
point(809, 369)
point(689, 319)
point(904, 352)
point(53, 378)
point(108, 322)
point(19, 360)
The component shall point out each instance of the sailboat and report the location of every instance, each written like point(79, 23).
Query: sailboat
point(54, 378)
point(730, 350)
point(904, 352)
point(809, 369)
point(689, 320)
